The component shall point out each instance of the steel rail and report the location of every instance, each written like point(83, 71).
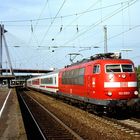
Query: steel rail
point(33, 118)
point(126, 125)
point(58, 120)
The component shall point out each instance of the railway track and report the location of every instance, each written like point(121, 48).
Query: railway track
point(46, 123)
point(130, 126)
point(136, 119)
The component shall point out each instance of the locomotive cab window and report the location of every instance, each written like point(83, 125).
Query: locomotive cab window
point(96, 69)
point(127, 68)
point(119, 68)
point(113, 68)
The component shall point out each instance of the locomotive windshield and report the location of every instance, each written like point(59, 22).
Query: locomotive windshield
point(127, 68)
point(119, 68)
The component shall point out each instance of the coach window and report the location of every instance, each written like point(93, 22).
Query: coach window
point(96, 69)
point(50, 80)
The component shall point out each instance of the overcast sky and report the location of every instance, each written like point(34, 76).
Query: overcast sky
point(41, 33)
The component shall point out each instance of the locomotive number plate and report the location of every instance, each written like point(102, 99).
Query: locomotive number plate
point(124, 93)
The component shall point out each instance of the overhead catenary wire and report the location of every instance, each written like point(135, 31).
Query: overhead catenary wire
point(62, 16)
point(129, 16)
point(92, 26)
point(87, 11)
point(119, 34)
point(78, 15)
point(98, 22)
point(84, 13)
point(52, 22)
point(101, 10)
point(37, 21)
point(73, 26)
point(122, 25)
point(33, 28)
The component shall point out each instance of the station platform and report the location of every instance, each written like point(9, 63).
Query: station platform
point(11, 123)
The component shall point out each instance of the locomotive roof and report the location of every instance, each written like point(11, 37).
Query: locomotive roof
point(101, 61)
point(103, 57)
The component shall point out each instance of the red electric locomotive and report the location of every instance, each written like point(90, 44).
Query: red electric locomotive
point(104, 81)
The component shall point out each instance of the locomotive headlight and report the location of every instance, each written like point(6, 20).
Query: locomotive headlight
point(109, 93)
point(136, 92)
point(111, 75)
